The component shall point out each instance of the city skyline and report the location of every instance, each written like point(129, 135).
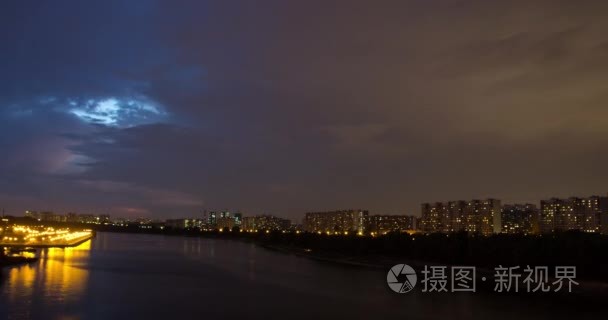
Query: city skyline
point(326, 159)
point(148, 109)
point(485, 217)
point(201, 212)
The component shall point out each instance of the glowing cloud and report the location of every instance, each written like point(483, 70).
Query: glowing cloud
point(116, 112)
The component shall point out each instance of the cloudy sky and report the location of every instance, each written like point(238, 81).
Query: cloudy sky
point(163, 108)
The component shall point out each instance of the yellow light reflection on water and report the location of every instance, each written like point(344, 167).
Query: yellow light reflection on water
point(58, 273)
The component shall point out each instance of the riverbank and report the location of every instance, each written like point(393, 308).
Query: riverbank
point(9, 261)
point(66, 244)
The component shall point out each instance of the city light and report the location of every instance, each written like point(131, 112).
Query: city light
point(42, 236)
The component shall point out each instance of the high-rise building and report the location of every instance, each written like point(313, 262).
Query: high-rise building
point(582, 214)
point(475, 216)
point(221, 220)
point(337, 221)
point(248, 223)
point(454, 214)
point(434, 218)
point(443, 216)
point(520, 219)
point(212, 219)
point(382, 224)
point(238, 219)
point(184, 223)
point(483, 216)
point(265, 222)
point(225, 222)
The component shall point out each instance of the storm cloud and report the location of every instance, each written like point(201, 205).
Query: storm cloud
point(164, 108)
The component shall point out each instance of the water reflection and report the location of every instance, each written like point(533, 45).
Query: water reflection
point(57, 277)
point(125, 276)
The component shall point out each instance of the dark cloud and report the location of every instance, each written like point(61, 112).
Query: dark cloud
point(285, 107)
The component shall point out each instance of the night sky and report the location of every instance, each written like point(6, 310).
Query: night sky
point(163, 108)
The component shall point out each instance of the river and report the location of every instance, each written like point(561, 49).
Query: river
point(131, 276)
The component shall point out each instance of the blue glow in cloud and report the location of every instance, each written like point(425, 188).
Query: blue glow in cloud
point(116, 111)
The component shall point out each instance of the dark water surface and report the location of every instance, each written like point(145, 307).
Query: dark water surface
point(128, 276)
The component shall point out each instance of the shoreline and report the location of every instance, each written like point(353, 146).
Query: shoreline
point(45, 246)
point(13, 261)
